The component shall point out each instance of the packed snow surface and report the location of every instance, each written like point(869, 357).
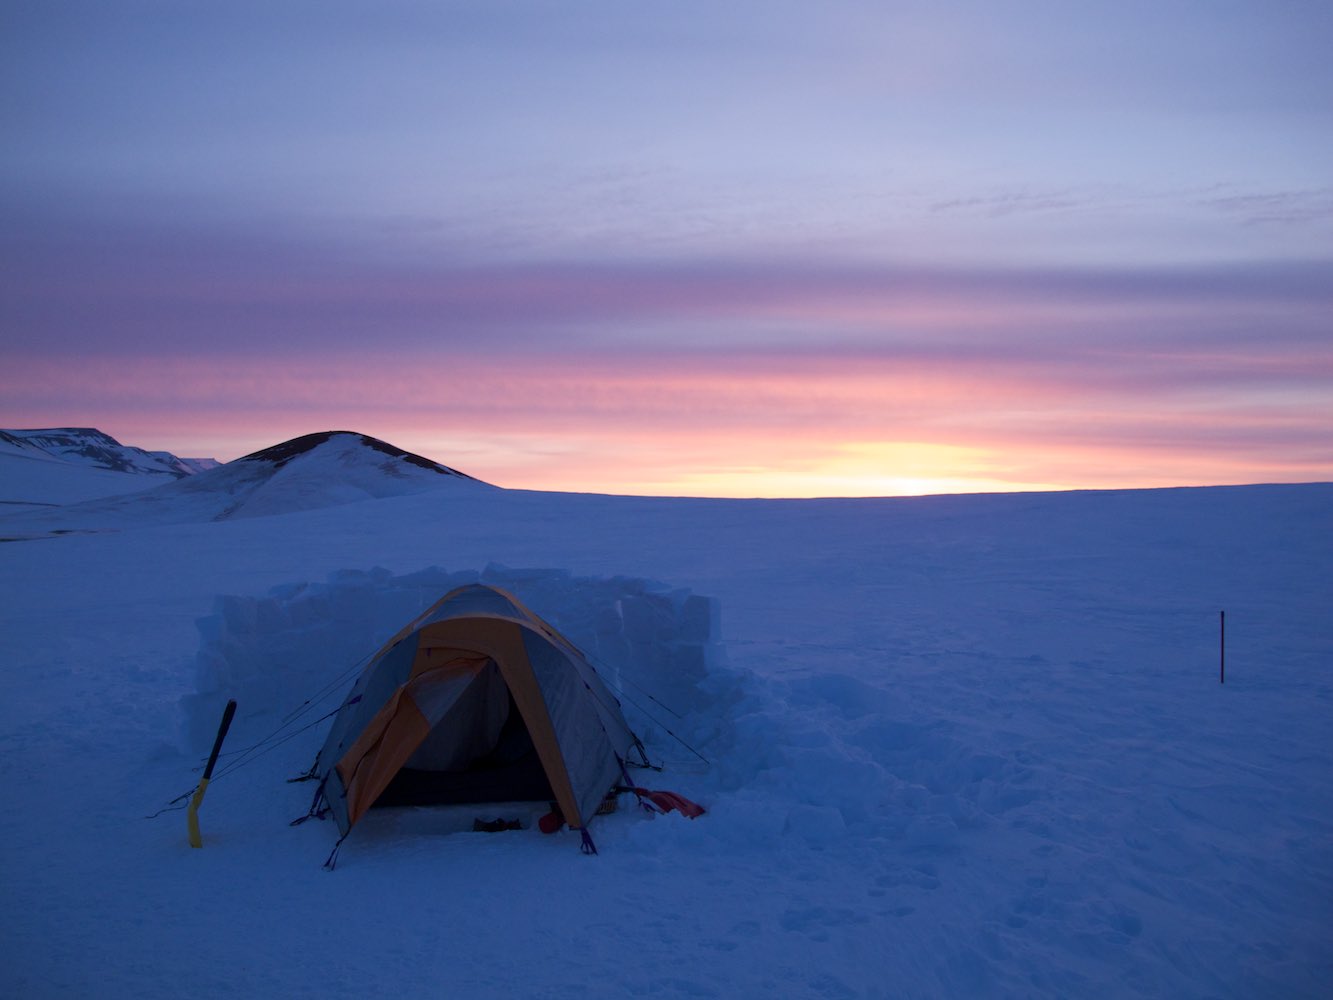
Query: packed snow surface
point(959, 747)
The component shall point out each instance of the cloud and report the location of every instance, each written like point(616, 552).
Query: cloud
point(1014, 203)
point(1300, 207)
point(623, 424)
point(201, 288)
point(740, 374)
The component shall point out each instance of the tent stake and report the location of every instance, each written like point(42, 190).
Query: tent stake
point(196, 839)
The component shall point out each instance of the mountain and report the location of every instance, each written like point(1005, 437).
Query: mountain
point(280, 454)
point(318, 470)
point(96, 449)
point(326, 469)
point(62, 465)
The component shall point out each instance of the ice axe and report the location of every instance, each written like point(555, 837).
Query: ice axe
point(196, 839)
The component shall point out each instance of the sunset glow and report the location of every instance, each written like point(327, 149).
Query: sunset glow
point(652, 262)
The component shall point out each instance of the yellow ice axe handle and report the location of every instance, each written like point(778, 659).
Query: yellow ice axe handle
point(192, 814)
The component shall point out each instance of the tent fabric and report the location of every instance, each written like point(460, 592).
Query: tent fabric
point(434, 709)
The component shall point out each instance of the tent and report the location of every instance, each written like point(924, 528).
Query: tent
point(477, 700)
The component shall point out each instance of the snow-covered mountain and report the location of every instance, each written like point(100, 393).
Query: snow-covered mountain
point(318, 470)
point(63, 465)
point(281, 454)
point(306, 473)
point(93, 448)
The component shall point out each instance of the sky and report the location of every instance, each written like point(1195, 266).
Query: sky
point(745, 249)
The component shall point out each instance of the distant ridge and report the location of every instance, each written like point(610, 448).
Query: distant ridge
point(96, 449)
point(324, 469)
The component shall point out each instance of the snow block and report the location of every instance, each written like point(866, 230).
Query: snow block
point(648, 618)
point(817, 825)
point(687, 660)
point(270, 616)
point(932, 833)
point(238, 614)
point(696, 619)
point(273, 653)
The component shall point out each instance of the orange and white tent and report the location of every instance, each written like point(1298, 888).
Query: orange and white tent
point(477, 700)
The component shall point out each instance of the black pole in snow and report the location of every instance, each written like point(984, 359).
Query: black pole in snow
point(192, 815)
point(1222, 648)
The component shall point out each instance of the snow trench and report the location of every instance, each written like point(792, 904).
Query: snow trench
point(810, 759)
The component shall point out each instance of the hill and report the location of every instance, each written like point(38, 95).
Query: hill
point(305, 473)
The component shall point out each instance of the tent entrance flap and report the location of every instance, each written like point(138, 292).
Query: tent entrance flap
point(398, 729)
point(478, 751)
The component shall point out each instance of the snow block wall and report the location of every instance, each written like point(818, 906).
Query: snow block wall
point(307, 642)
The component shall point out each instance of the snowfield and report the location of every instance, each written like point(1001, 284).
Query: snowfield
point(967, 746)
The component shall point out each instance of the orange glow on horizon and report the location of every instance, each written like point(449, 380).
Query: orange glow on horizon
point(778, 428)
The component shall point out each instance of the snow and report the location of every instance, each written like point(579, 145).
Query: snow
point(33, 478)
point(960, 746)
point(64, 465)
point(322, 470)
point(649, 641)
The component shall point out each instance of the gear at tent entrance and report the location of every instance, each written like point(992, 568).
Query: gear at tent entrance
point(658, 802)
point(661, 802)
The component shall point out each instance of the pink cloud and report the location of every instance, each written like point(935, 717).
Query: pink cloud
point(754, 375)
point(691, 425)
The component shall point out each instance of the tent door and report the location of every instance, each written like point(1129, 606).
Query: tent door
point(478, 751)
